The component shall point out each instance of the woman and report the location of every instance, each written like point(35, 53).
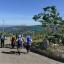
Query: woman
point(19, 43)
point(13, 41)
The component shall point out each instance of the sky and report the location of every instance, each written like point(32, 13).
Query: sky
point(20, 12)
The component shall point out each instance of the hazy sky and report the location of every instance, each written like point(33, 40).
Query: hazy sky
point(20, 12)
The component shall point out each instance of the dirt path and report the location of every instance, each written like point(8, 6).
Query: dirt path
point(6, 57)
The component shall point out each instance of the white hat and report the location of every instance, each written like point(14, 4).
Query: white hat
point(19, 36)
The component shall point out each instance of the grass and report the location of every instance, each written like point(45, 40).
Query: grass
point(54, 51)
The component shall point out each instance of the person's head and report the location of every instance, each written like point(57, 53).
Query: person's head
point(1, 33)
point(22, 35)
point(19, 36)
point(46, 37)
point(28, 36)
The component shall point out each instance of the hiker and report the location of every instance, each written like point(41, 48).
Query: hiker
point(46, 43)
point(13, 41)
point(19, 43)
point(2, 40)
point(16, 36)
point(28, 43)
point(23, 41)
point(0, 37)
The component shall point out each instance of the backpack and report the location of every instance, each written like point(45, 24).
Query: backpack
point(13, 39)
point(19, 40)
point(2, 38)
point(28, 40)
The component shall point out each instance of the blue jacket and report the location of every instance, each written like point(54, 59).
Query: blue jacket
point(28, 40)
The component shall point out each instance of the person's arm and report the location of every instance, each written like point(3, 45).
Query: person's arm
point(31, 40)
point(23, 40)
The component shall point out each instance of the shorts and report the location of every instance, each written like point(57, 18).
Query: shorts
point(19, 46)
point(28, 47)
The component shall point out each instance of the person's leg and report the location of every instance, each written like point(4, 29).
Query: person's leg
point(24, 45)
point(3, 43)
point(12, 44)
point(27, 48)
point(21, 45)
point(18, 49)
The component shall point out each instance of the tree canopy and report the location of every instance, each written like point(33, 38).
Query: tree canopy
point(49, 16)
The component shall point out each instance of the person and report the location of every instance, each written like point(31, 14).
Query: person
point(28, 43)
point(0, 37)
point(23, 41)
point(2, 40)
point(16, 36)
point(19, 43)
point(13, 41)
point(46, 43)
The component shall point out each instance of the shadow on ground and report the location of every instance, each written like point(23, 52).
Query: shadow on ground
point(8, 46)
point(12, 52)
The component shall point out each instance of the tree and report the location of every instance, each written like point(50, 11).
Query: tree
point(50, 16)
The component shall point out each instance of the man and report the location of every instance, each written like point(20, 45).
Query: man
point(2, 40)
point(19, 43)
point(28, 43)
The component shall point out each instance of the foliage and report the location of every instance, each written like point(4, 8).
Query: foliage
point(49, 17)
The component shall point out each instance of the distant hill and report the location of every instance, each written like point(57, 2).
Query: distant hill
point(5, 26)
point(17, 29)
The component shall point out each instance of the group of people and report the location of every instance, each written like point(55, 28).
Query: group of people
point(19, 41)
